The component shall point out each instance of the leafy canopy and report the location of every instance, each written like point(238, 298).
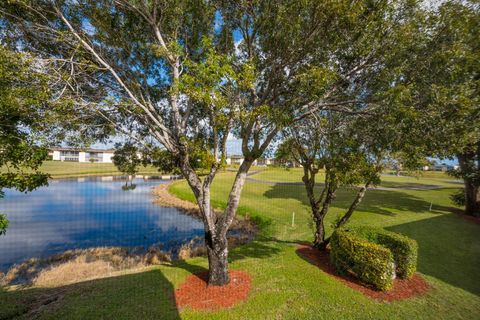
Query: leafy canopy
point(23, 92)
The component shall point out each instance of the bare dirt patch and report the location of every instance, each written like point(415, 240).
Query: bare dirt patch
point(402, 289)
point(197, 294)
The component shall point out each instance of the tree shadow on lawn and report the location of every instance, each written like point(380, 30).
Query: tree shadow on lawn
point(145, 295)
point(260, 248)
point(382, 202)
point(449, 249)
point(408, 185)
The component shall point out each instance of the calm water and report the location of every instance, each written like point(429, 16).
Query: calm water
point(89, 212)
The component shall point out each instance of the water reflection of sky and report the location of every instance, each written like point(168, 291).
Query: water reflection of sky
point(83, 213)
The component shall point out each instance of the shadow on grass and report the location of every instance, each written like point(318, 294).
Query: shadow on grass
point(145, 295)
point(409, 185)
point(259, 249)
point(382, 202)
point(449, 249)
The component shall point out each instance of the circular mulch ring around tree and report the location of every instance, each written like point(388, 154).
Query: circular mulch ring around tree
point(196, 294)
point(402, 289)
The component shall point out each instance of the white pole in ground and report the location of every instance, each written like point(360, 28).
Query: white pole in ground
point(431, 203)
point(293, 219)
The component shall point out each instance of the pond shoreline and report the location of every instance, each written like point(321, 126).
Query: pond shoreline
point(117, 175)
point(166, 199)
point(97, 262)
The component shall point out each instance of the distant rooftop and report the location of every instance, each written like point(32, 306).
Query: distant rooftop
point(81, 149)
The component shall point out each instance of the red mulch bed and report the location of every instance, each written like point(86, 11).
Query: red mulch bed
point(196, 294)
point(402, 289)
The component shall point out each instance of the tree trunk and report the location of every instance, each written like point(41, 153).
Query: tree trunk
point(309, 174)
point(354, 205)
point(319, 241)
point(217, 250)
point(468, 167)
point(472, 199)
point(216, 226)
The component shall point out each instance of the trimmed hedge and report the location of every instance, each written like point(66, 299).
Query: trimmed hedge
point(374, 255)
point(404, 249)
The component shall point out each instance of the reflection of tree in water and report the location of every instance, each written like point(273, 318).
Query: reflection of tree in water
point(127, 187)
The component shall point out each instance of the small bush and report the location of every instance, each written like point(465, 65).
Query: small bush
point(373, 255)
point(458, 197)
point(370, 262)
point(404, 249)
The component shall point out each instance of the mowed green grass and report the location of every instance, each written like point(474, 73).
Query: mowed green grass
point(285, 286)
point(64, 169)
point(389, 180)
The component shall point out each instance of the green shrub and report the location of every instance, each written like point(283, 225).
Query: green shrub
point(370, 262)
point(373, 255)
point(404, 249)
point(458, 197)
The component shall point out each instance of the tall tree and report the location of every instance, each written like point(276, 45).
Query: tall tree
point(23, 93)
point(330, 145)
point(127, 159)
point(351, 145)
point(442, 88)
point(173, 73)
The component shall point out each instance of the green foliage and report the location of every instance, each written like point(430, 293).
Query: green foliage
point(374, 255)
point(440, 91)
point(20, 118)
point(126, 158)
point(404, 249)
point(3, 224)
point(166, 161)
point(285, 152)
point(458, 197)
point(161, 159)
point(200, 156)
point(370, 262)
point(23, 92)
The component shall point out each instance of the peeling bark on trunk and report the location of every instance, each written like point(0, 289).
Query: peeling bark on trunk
point(216, 239)
point(216, 227)
point(217, 250)
point(319, 241)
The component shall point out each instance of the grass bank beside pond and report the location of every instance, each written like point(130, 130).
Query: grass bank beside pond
point(284, 285)
point(66, 169)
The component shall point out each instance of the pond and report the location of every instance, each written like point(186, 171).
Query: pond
point(89, 212)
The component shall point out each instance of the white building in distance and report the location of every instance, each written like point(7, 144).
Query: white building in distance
point(238, 159)
point(87, 155)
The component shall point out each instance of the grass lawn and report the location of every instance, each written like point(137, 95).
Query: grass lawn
point(65, 169)
point(285, 286)
point(388, 180)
